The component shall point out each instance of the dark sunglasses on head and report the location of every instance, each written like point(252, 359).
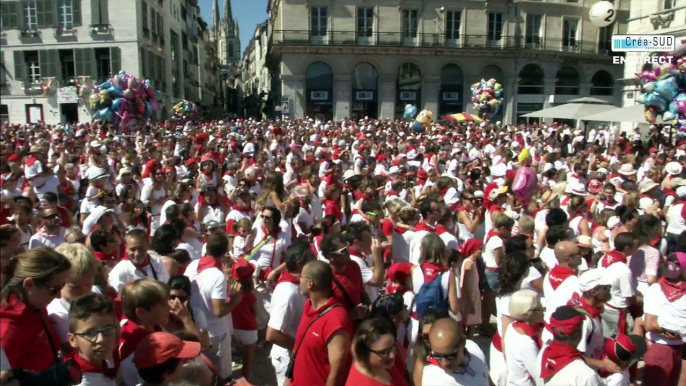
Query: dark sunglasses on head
point(182, 299)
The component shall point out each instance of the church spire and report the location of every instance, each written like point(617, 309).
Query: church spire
point(215, 18)
point(228, 13)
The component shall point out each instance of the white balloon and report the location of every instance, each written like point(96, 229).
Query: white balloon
point(602, 13)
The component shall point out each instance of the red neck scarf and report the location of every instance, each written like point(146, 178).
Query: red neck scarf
point(443, 191)
point(578, 301)
point(354, 252)
point(392, 193)
point(287, 277)
point(558, 275)
point(207, 262)
point(673, 290)
point(431, 270)
point(533, 332)
point(440, 229)
point(245, 211)
point(565, 201)
point(613, 257)
point(274, 233)
point(492, 233)
point(495, 208)
point(141, 267)
point(423, 226)
point(131, 334)
point(556, 357)
point(103, 257)
point(87, 367)
point(643, 195)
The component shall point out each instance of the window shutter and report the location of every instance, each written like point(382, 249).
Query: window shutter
point(78, 62)
point(104, 12)
point(115, 60)
point(19, 66)
point(95, 12)
point(54, 64)
point(10, 15)
point(45, 13)
point(46, 60)
point(76, 11)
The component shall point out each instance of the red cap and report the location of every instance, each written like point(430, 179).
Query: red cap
point(682, 143)
point(422, 174)
point(510, 174)
point(14, 158)
point(653, 150)
point(191, 161)
point(159, 347)
point(361, 148)
point(398, 273)
point(242, 270)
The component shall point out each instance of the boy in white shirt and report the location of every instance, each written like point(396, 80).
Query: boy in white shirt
point(623, 290)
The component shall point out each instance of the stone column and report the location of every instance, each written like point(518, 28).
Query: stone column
point(510, 100)
point(585, 89)
point(293, 88)
point(548, 91)
point(430, 88)
point(469, 80)
point(387, 84)
point(342, 97)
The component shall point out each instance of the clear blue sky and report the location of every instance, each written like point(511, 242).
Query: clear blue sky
point(249, 13)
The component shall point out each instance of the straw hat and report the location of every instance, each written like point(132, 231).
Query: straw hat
point(627, 170)
point(584, 241)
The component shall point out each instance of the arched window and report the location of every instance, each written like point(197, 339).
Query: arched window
point(531, 80)
point(602, 83)
point(493, 71)
point(568, 80)
point(319, 89)
point(408, 88)
point(452, 90)
point(365, 95)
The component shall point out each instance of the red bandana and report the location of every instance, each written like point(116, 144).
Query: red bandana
point(103, 257)
point(440, 229)
point(423, 226)
point(141, 267)
point(556, 357)
point(392, 193)
point(207, 262)
point(287, 277)
point(245, 211)
point(131, 334)
point(431, 270)
point(533, 332)
point(613, 257)
point(673, 290)
point(558, 275)
point(355, 252)
point(87, 367)
point(578, 301)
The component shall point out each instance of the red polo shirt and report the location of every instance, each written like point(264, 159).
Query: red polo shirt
point(26, 335)
point(312, 361)
point(351, 280)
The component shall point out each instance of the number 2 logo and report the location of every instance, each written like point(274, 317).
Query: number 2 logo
point(610, 14)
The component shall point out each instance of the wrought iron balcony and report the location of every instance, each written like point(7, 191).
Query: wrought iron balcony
point(29, 32)
point(65, 31)
point(100, 29)
point(436, 40)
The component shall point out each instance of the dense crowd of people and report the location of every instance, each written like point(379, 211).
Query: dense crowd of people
point(366, 253)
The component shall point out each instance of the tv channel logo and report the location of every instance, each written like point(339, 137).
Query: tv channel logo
point(643, 43)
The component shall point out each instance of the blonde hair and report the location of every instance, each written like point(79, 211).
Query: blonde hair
point(526, 224)
point(83, 263)
point(503, 220)
point(408, 214)
point(630, 199)
point(39, 264)
point(242, 223)
point(521, 303)
point(395, 205)
point(142, 293)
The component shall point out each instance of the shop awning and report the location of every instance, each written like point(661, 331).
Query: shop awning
point(575, 109)
point(629, 114)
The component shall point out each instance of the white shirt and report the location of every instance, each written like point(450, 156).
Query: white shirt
point(367, 275)
point(676, 223)
point(303, 217)
point(125, 272)
point(284, 315)
point(96, 379)
point(592, 339)
point(205, 286)
point(478, 376)
point(555, 298)
point(418, 282)
point(670, 315)
point(450, 240)
point(521, 352)
point(416, 246)
point(576, 373)
point(58, 311)
point(493, 243)
point(623, 284)
point(52, 242)
point(401, 245)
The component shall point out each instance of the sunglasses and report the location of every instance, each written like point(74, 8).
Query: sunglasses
point(342, 250)
point(182, 299)
point(92, 335)
point(54, 291)
point(51, 216)
point(385, 352)
point(449, 357)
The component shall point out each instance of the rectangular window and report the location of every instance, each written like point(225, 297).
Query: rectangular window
point(669, 4)
point(32, 65)
point(100, 12)
point(569, 33)
point(605, 39)
point(533, 31)
point(319, 21)
point(144, 19)
point(30, 14)
point(65, 14)
point(495, 26)
point(67, 65)
point(231, 52)
point(452, 25)
point(153, 24)
point(365, 22)
point(410, 23)
point(184, 40)
point(102, 63)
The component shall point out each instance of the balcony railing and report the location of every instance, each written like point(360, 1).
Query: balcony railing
point(399, 39)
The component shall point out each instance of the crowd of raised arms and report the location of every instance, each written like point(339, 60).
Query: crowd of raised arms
point(361, 253)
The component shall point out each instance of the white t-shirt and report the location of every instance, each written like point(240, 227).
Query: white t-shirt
point(548, 257)
point(96, 379)
point(367, 275)
point(58, 310)
point(493, 243)
point(576, 373)
point(205, 286)
point(592, 339)
point(52, 242)
point(623, 284)
point(676, 223)
point(521, 352)
point(416, 246)
point(478, 376)
point(284, 315)
point(125, 272)
point(555, 298)
point(418, 282)
point(670, 315)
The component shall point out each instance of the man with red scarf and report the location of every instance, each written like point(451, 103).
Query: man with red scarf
point(561, 363)
point(561, 283)
point(137, 263)
point(615, 315)
point(430, 211)
point(210, 295)
point(595, 290)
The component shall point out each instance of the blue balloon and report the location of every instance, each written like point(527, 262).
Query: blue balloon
point(147, 83)
point(105, 85)
point(148, 110)
point(117, 103)
point(654, 99)
point(104, 114)
point(410, 112)
point(667, 88)
point(673, 108)
point(116, 91)
point(418, 127)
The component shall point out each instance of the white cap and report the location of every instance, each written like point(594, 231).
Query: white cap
point(394, 170)
point(593, 278)
point(499, 170)
point(681, 191)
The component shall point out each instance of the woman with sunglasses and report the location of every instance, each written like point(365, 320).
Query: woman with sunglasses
point(154, 196)
point(27, 336)
point(376, 358)
point(182, 317)
point(523, 338)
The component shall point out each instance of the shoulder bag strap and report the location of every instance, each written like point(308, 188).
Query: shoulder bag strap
point(295, 352)
point(340, 287)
